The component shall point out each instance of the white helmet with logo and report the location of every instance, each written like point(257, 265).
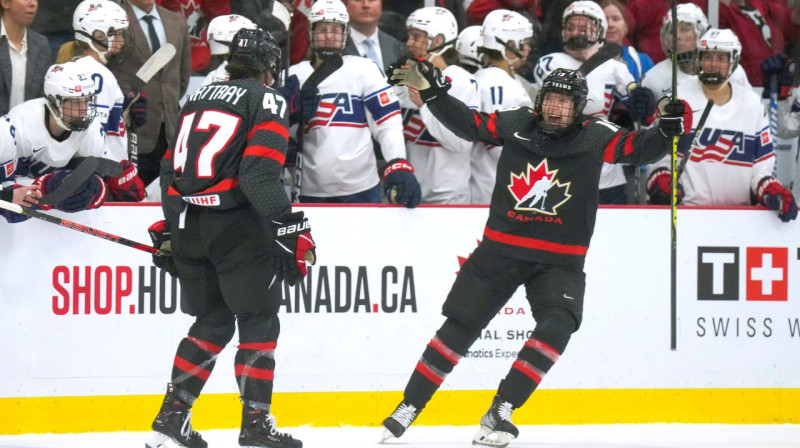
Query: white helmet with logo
point(501, 26)
point(65, 82)
point(722, 40)
point(222, 29)
point(332, 11)
point(98, 23)
point(434, 21)
point(591, 10)
point(687, 13)
point(467, 46)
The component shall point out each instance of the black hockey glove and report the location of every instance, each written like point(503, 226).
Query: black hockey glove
point(294, 246)
point(676, 117)
point(290, 91)
point(772, 194)
point(309, 102)
point(641, 103)
point(421, 75)
point(161, 235)
point(135, 104)
point(400, 185)
point(659, 187)
point(783, 68)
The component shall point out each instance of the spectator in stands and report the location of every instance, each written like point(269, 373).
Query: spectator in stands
point(505, 46)
point(441, 158)
point(366, 39)
point(153, 26)
point(198, 14)
point(618, 18)
point(354, 103)
point(50, 22)
point(406, 7)
point(21, 76)
point(583, 32)
point(720, 169)
point(550, 38)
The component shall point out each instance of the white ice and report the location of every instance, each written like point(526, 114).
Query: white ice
point(572, 436)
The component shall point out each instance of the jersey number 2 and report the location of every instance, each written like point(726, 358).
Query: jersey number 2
point(226, 126)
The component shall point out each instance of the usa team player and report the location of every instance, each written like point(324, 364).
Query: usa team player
point(354, 104)
point(27, 196)
point(550, 166)
point(732, 161)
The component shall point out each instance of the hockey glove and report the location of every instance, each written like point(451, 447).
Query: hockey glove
point(641, 103)
point(421, 75)
point(290, 91)
point(309, 102)
point(135, 103)
point(659, 187)
point(783, 68)
point(772, 194)
point(294, 247)
point(20, 197)
point(400, 185)
point(90, 195)
point(128, 187)
point(161, 235)
point(676, 117)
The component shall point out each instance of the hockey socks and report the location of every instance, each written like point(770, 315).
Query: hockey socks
point(255, 359)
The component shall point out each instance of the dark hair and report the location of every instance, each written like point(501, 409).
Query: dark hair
point(239, 70)
point(450, 56)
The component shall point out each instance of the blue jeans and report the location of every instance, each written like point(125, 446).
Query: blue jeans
point(371, 196)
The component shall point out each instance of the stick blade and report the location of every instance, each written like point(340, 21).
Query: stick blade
point(156, 62)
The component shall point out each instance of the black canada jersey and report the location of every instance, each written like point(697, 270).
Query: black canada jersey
point(545, 196)
point(229, 134)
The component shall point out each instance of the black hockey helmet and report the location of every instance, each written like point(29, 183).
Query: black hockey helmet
point(567, 82)
point(256, 50)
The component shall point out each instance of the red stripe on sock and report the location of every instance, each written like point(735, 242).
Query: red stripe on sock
point(205, 345)
point(254, 372)
point(545, 349)
point(429, 374)
point(259, 346)
point(194, 369)
point(528, 370)
point(445, 351)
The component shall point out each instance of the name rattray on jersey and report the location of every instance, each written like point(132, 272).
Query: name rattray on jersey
point(219, 125)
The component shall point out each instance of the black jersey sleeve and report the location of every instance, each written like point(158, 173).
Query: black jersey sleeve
point(634, 147)
point(466, 123)
point(262, 161)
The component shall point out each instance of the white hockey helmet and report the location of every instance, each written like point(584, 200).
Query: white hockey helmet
point(70, 93)
point(467, 46)
point(687, 13)
point(434, 21)
point(332, 11)
point(594, 12)
point(722, 40)
point(98, 23)
point(501, 26)
point(222, 29)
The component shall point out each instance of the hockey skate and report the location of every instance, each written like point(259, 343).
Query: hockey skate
point(397, 423)
point(259, 430)
point(173, 425)
point(496, 426)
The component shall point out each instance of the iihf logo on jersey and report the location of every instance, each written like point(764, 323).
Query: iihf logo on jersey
point(538, 190)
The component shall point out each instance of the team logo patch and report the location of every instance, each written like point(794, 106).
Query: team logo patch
point(8, 169)
point(538, 190)
point(765, 137)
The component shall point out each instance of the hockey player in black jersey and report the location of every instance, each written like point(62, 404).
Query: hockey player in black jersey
point(233, 238)
point(541, 219)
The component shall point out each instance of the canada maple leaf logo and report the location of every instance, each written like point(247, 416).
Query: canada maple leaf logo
point(538, 190)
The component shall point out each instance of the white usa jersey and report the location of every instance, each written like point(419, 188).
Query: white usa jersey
point(108, 103)
point(355, 104)
point(659, 78)
point(8, 152)
point(607, 83)
point(733, 152)
point(440, 158)
point(498, 90)
point(38, 153)
point(219, 74)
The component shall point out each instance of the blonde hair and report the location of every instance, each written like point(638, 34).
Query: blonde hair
point(70, 51)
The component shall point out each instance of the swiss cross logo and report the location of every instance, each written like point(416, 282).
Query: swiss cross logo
point(765, 137)
point(384, 98)
point(8, 169)
point(767, 273)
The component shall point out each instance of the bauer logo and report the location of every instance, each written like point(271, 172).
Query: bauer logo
point(765, 270)
point(345, 289)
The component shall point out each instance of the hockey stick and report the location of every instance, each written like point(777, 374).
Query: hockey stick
point(151, 66)
point(673, 261)
point(82, 169)
point(27, 211)
point(608, 51)
point(773, 115)
point(700, 125)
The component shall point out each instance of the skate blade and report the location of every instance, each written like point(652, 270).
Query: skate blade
point(386, 435)
point(158, 440)
point(489, 437)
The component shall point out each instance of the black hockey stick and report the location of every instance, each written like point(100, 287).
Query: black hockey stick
point(673, 260)
point(700, 125)
point(27, 211)
point(608, 51)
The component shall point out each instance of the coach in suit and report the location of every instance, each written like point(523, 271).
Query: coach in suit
point(152, 26)
point(366, 39)
point(24, 55)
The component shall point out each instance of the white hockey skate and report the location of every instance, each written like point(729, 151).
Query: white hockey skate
point(496, 426)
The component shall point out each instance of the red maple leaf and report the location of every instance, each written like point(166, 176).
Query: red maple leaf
point(521, 184)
